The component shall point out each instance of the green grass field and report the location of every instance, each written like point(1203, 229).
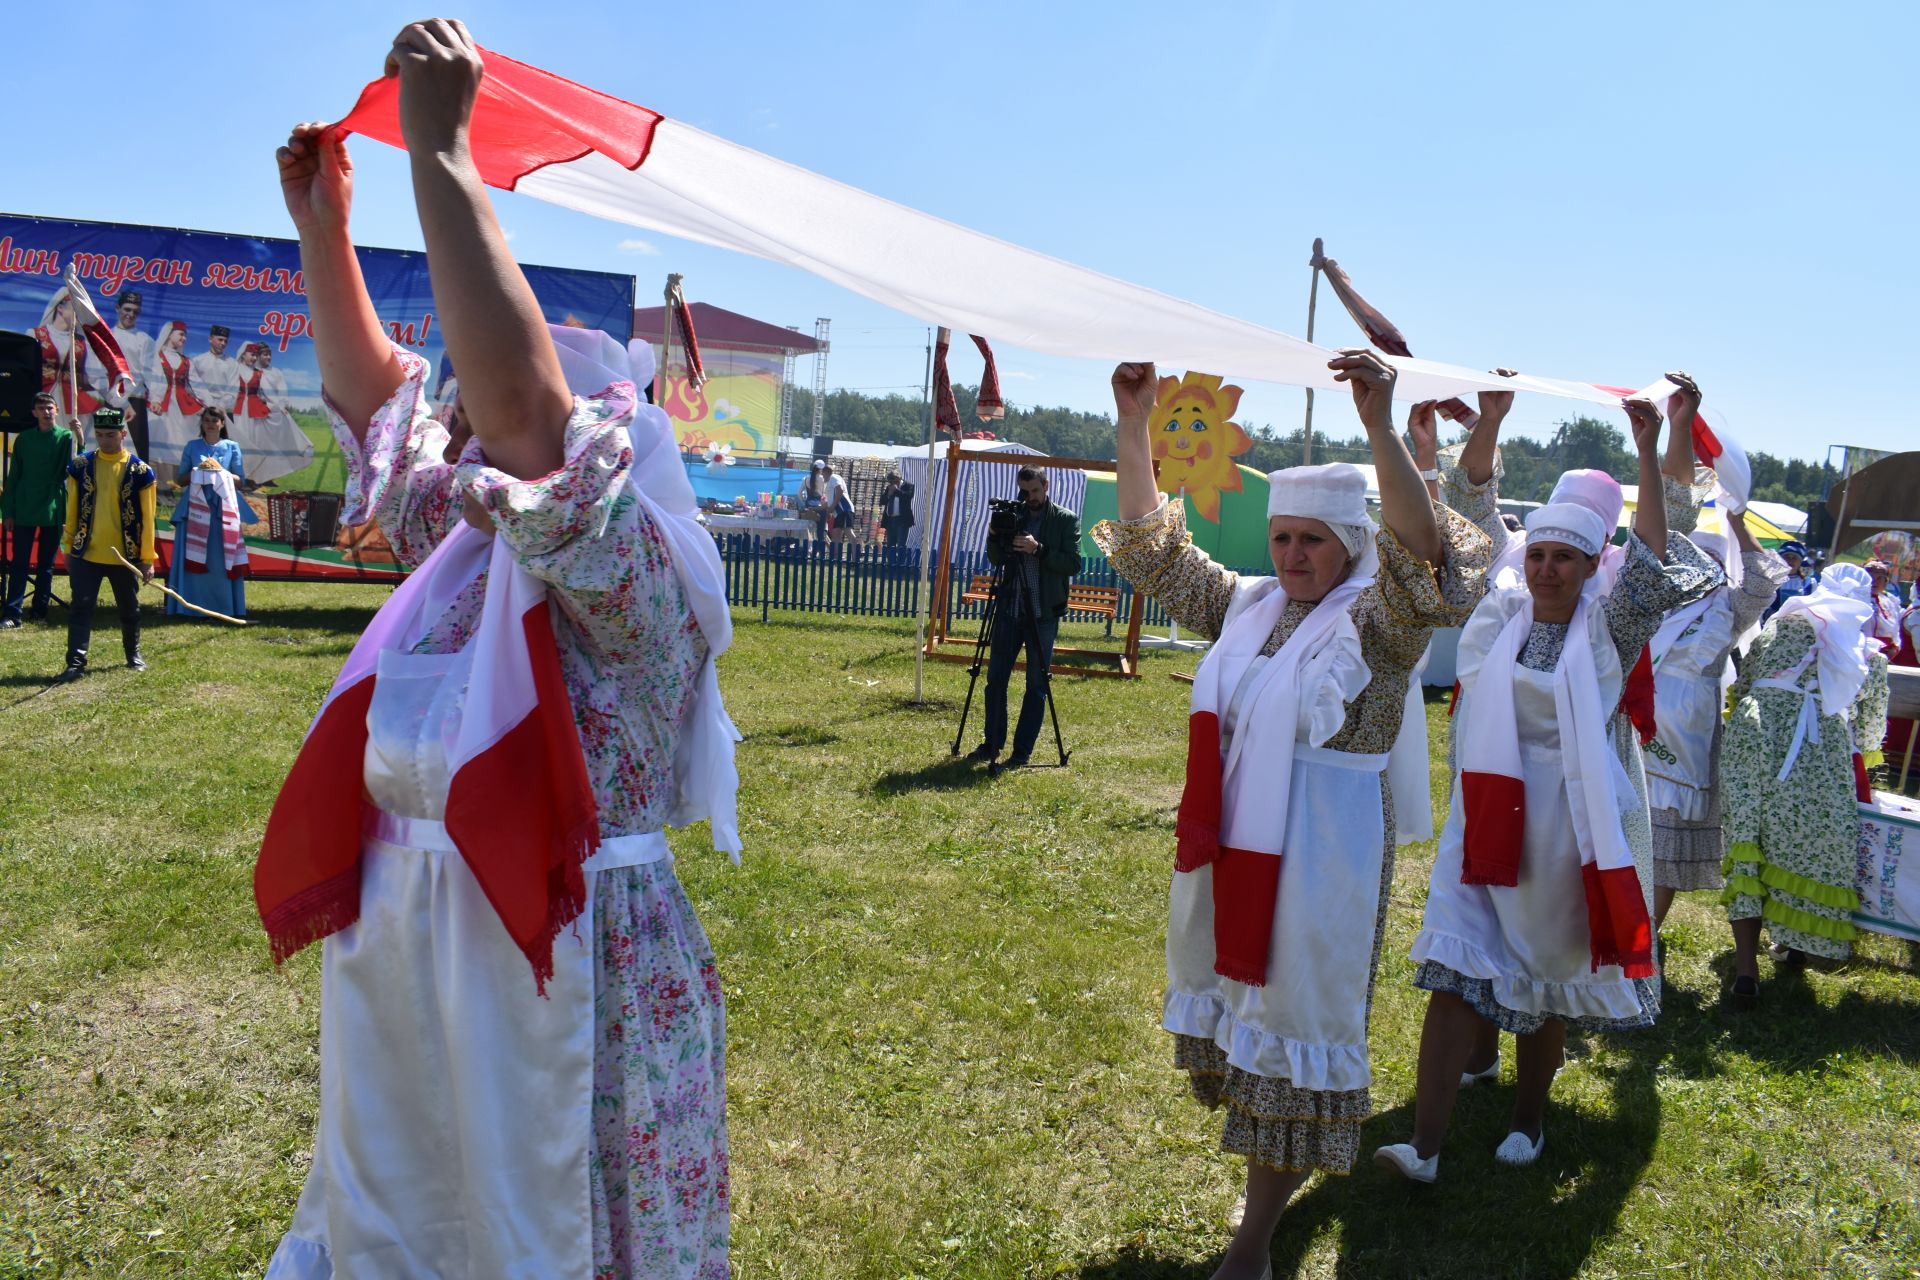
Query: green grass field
point(943, 1003)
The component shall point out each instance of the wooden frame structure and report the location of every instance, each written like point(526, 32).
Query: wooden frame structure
point(943, 646)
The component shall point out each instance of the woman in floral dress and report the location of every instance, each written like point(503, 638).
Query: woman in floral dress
point(1812, 688)
point(1537, 912)
point(1690, 653)
point(480, 1116)
point(1296, 708)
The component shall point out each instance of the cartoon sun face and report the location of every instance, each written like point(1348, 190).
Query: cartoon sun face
point(1194, 440)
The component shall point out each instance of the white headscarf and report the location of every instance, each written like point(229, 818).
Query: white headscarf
point(1569, 522)
point(1334, 493)
point(1599, 493)
point(1849, 580)
point(706, 780)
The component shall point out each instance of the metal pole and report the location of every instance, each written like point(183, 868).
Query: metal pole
point(926, 532)
point(1313, 299)
point(666, 344)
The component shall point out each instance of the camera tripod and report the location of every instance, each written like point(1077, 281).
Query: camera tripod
point(983, 645)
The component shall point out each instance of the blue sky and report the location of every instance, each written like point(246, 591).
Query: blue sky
point(1601, 192)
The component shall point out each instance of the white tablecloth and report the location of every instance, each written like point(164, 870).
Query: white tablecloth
point(765, 526)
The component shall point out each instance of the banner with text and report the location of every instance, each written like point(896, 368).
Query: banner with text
point(205, 318)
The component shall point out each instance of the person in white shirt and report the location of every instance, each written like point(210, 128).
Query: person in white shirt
point(215, 374)
point(138, 349)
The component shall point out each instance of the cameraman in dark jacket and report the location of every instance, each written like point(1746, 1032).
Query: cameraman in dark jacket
point(1040, 559)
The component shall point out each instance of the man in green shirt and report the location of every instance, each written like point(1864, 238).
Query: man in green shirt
point(33, 509)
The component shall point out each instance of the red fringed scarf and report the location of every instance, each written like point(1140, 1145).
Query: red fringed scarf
point(519, 809)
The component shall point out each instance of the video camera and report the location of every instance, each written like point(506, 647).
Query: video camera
point(1004, 517)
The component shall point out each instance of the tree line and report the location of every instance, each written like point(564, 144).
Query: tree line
point(1531, 465)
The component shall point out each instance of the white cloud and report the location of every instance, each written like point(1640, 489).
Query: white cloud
point(1021, 374)
point(507, 234)
point(639, 247)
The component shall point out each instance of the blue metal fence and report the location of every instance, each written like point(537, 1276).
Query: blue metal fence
point(871, 581)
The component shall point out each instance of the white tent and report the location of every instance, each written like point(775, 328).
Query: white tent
point(978, 484)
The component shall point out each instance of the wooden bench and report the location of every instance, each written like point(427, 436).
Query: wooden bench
point(1099, 602)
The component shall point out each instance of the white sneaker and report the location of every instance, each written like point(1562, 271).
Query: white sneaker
point(1474, 1077)
point(1402, 1159)
point(1518, 1149)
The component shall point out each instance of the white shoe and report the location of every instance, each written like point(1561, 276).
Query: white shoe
point(1237, 1214)
point(1402, 1159)
point(1518, 1149)
point(1474, 1077)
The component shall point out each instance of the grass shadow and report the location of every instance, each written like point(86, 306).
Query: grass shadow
point(1793, 1028)
point(954, 773)
point(1479, 1219)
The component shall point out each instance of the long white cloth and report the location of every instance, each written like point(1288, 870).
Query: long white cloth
point(690, 184)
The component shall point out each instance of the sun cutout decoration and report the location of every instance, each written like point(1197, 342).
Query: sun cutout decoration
point(1195, 443)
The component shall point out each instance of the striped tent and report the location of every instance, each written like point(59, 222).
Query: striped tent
point(979, 483)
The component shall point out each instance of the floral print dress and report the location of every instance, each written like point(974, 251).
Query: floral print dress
point(1687, 851)
point(1270, 1120)
point(630, 651)
point(1791, 844)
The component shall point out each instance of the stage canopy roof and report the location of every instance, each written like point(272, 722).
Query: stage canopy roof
point(1879, 498)
point(718, 327)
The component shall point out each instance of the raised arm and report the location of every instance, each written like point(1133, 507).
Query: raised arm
point(1683, 406)
point(1135, 384)
point(358, 369)
point(1404, 504)
point(1424, 433)
point(1476, 456)
point(1650, 512)
point(511, 384)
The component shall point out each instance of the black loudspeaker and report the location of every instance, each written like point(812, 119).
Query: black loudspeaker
point(822, 445)
point(19, 379)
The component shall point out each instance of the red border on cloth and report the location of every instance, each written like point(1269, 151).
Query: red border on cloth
point(1246, 889)
point(1637, 694)
point(1197, 831)
point(306, 882)
point(524, 119)
point(1617, 919)
point(522, 812)
point(1496, 825)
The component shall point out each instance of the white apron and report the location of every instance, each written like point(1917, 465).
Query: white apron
point(1308, 1025)
point(1687, 700)
point(455, 1102)
point(1529, 939)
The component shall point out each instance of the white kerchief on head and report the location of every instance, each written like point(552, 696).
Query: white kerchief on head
point(1570, 522)
point(1597, 491)
point(1334, 493)
point(1849, 580)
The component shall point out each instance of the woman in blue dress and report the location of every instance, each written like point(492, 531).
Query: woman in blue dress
point(212, 575)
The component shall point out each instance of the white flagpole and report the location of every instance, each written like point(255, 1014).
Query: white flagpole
point(920, 612)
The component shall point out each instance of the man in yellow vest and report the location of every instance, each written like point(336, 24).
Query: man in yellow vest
point(110, 508)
